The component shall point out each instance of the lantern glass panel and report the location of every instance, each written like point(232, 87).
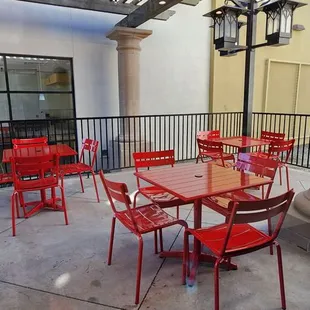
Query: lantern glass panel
point(286, 19)
point(216, 31)
point(276, 25)
point(269, 25)
point(218, 28)
point(221, 29)
point(231, 25)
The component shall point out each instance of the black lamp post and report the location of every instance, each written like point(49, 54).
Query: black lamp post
point(279, 23)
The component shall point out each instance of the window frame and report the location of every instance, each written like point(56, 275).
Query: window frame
point(10, 92)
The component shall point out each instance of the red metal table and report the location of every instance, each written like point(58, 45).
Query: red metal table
point(243, 142)
point(62, 149)
point(192, 182)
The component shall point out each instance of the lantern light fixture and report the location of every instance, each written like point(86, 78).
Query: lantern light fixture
point(279, 21)
point(225, 26)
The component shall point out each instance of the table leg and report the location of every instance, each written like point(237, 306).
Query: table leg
point(196, 254)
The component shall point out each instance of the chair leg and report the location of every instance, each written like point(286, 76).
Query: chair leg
point(216, 285)
point(197, 158)
point(95, 184)
point(161, 243)
point(280, 175)
point(185, 265)
point(63, 200)
point(155, 242)
point(111, 241)
point(270, 233)
point(62, 180)
point(13, 214)
point(139, 270)
point(22, 202)
point(178, 212)
point(53, 194)
point(17, 206)
point(281, 278)
point(287, 178)
point(135, 199)
point(81, 181)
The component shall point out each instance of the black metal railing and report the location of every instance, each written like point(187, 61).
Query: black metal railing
point(295, 126)
point(119, 137)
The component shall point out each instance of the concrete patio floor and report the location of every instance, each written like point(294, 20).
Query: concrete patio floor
point(52, 266)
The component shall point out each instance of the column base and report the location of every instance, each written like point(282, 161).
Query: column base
point(302, 203)
point(120, 155)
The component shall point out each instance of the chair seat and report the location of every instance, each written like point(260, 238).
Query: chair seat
point(226, 156)
point(148, 218)
point(218, 162)
point(220, 203)
point(243, 237)
point(160, 197)
point(6, 178)
point(75, 168)
point(47, 182)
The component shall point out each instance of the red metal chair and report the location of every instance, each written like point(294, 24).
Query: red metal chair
point(208, 135)
point(270, 136)
point(247, 163)
point(213, 150)
point(32, 142)
point(153, 193)
point(47, 167)
point(275, 150)
point(238, 237)
point(90, 146)
point(139, 220)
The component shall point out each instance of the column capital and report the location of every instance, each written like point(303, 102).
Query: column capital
point(128, 38)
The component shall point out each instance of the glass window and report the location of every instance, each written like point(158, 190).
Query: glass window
point(35, 87)
point(41, 106)
point(2, 75)
point(39, 74)
point(4, 107)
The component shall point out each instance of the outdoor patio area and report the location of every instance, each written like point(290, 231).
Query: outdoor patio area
point(52, 266)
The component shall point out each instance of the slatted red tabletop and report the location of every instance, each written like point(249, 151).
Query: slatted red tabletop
point(62, 149)
point(195, 181)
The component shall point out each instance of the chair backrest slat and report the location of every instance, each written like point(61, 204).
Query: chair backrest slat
point(119, 192)
point(31, 142)
point(244, 212)
point(254, 217)
point(264, 167)
point(40, 166)
point(153, 159)
point(208, 135)
point(272, 136)
point(277, 147)
point(210, 146)
point(91, 146)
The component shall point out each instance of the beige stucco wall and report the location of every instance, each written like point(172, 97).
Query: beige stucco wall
point(227, 73)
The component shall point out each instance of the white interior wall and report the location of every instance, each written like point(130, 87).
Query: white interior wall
point(174, 60)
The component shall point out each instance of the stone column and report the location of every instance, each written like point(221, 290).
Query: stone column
point(302, 202)
point(128, 47)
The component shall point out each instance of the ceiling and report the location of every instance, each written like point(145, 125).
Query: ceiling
point(137, 11)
